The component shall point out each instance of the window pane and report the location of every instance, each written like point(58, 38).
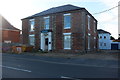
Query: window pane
point(32, 40)
point(88, 42)
point(94, 26)
point(104, 37)
point(32, 25)
point(67, 20)
point(104, 44)
point(46, 23)
point(67, 41)
point(88, 22)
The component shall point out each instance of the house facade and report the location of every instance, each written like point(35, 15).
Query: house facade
point(65, 28)
point(10, 34)
point(104, 39)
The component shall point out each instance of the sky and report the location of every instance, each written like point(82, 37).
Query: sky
point(15, 10)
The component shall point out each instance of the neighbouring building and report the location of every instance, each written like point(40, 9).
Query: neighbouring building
point(65, 28)
point(105, 42)
point(10, 34)
point(115, 44)
point(104, 39)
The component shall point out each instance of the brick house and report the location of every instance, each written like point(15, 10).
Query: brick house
point(65, 28)
point(10, 34)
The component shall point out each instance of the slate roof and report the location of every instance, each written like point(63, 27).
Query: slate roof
point(100, 31)
point(56, 10)
point(6, 24)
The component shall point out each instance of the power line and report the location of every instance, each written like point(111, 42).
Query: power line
point(106, 10)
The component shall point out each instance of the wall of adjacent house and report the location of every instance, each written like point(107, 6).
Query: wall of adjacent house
point(104, 43)
point(10, 36)
point(117, 43)
point(25, 31)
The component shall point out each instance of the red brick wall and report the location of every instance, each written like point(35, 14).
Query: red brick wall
point(59, 32)
point(25, 31)
point(91, 31)
point(13, 36)
point(57, 26)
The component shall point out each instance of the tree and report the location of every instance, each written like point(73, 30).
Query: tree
point(112, 38)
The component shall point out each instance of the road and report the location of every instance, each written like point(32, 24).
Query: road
point(26, 66)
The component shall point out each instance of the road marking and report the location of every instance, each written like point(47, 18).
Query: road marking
point(64, 77)
point(66, 63)
point(15, 68)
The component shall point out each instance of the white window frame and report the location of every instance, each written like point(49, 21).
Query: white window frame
point(94, 26)
point(68, 14)
point(48, 17)
point(67, 34)
point(33, 25)
point(89, 20)
point(89, 41)
point(32, 35)
point(94, 42)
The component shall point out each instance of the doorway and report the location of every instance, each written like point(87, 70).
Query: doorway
point(46, 41)
point(46, 44)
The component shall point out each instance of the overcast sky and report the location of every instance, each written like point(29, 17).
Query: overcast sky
point(15, 10)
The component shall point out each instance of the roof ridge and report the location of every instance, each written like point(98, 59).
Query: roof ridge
point(102, 31)
point(68, 7)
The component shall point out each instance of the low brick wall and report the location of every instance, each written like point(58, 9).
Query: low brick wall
point(7, 47)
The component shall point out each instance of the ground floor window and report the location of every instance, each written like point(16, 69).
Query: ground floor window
point(89, 40)
point(32, 39)
point(94, 42)
point(67, 40)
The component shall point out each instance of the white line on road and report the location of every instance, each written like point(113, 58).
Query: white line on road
point(15, 68)
point(64, 77)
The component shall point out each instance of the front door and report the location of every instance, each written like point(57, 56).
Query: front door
point(46, 44)
point(46, 41)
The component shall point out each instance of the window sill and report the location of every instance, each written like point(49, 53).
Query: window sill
point(31, 30)
point(67, 28)
point(67, 48)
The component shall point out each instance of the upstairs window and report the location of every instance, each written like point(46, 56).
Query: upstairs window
point(94, 27)
point(89, 22)
point(32, 24)
point(46, 22)
point(104, 37)
point(67, 21)
point(100, 37)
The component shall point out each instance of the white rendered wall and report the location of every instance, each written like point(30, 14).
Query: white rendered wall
point(103, 41)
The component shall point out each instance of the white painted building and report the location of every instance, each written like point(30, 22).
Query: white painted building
point(104, 39)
